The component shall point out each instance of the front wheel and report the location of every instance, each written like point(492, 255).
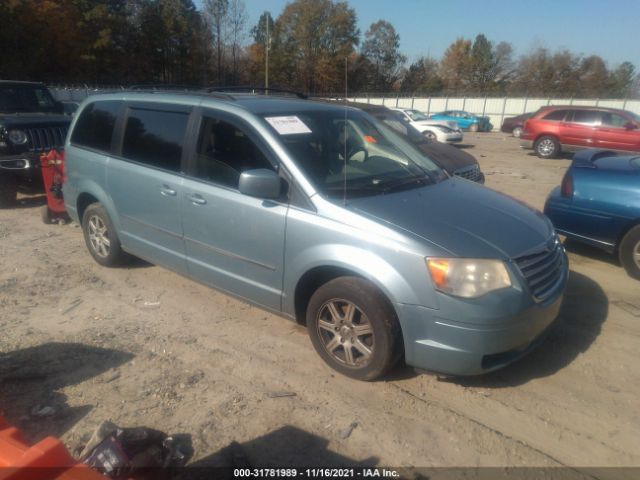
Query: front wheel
point(630, 252)
point(547, 147)
point(474, 127)
point(101, 238)
point(353, 328)
point(8, 190)
point(430, 136)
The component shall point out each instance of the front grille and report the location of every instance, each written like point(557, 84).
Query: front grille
point(543, 269)
point(43, 139)
point(470, 173)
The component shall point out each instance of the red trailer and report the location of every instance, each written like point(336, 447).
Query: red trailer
point(52, 164)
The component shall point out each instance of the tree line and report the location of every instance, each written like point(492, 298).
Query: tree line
point(313, 46)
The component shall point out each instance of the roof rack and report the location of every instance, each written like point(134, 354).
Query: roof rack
point(175, 89)
point(161, 86)
point(250, 89)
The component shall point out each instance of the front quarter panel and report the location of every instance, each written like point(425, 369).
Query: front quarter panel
point(393, 262)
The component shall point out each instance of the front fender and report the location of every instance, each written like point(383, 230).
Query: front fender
point(364, 263)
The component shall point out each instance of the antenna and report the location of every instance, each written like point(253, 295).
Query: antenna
point(344, 170)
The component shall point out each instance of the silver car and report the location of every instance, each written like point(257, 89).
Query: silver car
point(321, 214)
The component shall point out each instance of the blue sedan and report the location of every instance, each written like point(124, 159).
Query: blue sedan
point(598, 203)
point(465, 120)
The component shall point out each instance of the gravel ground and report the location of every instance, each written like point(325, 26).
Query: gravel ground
point(144, 346)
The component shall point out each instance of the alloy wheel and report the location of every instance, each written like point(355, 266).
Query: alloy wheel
point(346, 333)
point(546, 147)
point(99, 236)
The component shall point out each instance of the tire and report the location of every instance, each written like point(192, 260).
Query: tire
point(101, 238)
point(517, 132)
point(547, 147)
point(629, 252)
point(363, 344)
point(8, 190)
point(45, 214)
point(430, 136)
point(473, 127)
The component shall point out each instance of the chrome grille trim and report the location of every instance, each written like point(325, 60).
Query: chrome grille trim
point(42, 139)
point(471, 172)
point(542, 269)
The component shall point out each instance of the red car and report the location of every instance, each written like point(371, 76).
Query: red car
point(552, 130)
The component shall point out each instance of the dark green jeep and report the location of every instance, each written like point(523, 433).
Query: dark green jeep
point(32, 122)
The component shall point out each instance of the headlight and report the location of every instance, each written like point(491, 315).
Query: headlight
point(17, 137)
point(468, 278)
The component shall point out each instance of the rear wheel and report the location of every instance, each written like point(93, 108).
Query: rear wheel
point(473, 127)
point(547, 147)
point(353, 328)
point(8, 190)
point(630, 252)
point(101, 238)
point(517, 132)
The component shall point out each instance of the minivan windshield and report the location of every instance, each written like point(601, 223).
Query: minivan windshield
point(27, 98)
point(349, 153)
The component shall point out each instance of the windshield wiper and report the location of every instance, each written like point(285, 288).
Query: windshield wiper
point(401, 183)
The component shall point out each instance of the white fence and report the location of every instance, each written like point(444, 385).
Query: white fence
point(497, 109)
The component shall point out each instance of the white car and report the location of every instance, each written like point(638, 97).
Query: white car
point(441, 130)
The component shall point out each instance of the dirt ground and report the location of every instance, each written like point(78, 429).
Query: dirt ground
point(144, 346)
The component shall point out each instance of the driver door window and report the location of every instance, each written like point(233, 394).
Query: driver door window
point(224, 152)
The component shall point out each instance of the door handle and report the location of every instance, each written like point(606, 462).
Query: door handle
point(196, 199)
point(167, 191)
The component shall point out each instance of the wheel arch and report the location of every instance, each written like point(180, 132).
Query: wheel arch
point(395, 289)
point(92, 193)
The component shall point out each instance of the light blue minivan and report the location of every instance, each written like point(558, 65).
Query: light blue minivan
point(322, 214)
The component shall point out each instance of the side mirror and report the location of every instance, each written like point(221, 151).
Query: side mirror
point(630, 126)
point(260, 183)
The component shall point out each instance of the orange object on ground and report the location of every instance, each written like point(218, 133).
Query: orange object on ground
point(46, 460)
point(52, 164)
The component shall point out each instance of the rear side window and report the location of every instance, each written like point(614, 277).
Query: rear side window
point(155, 138)
point(588, 117)
point(94, 127)
point(556, 115)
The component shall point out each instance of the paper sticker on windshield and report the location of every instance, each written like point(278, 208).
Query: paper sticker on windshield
point(288, 125)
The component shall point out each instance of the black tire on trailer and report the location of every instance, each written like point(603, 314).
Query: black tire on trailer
point(45, 214)
point(8, 189)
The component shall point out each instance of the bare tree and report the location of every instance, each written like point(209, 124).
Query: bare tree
point(217, 11)
point(236, 34)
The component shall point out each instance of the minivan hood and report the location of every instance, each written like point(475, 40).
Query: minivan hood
point(462, 217)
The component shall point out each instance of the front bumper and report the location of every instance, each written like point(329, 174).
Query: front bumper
point(453, 137)
point(20, 162)
point(526, 144)
point(469, 340)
